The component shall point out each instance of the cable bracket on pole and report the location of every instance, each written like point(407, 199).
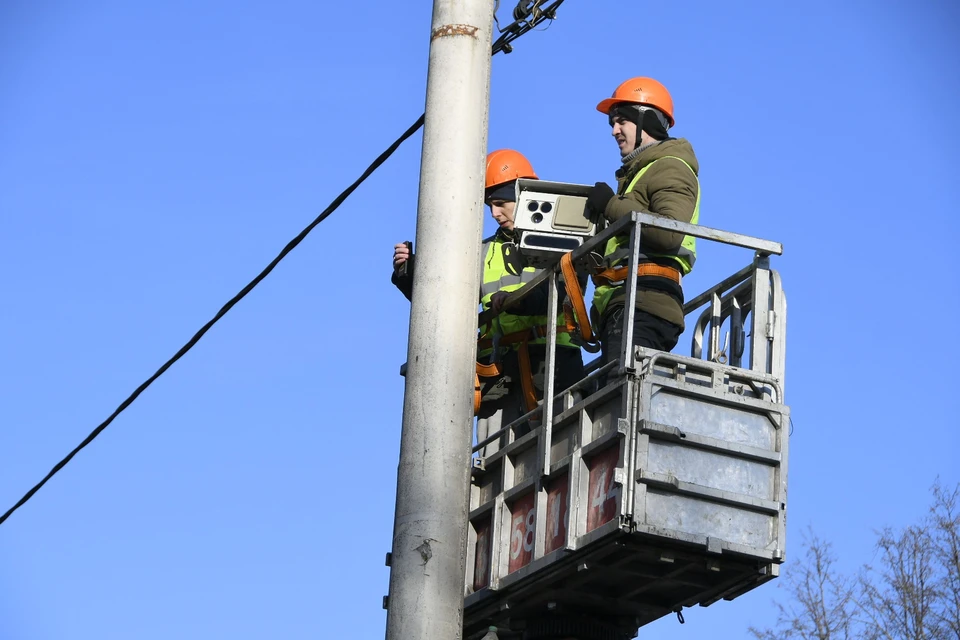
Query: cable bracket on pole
point(527, 15)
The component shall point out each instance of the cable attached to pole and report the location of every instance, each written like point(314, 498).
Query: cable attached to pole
point(531, 18)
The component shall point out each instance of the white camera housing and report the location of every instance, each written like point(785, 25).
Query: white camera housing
point(550, 219)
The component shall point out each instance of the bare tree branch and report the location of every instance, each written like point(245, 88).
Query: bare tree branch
point(823, 606)
point(900, 598)
point(945, 519)
point(912, 594)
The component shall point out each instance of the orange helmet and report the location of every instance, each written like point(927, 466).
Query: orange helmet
point(506, 165)
point(645, 91)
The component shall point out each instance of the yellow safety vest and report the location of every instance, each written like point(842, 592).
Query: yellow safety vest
point(617, 250)
point(499, 274)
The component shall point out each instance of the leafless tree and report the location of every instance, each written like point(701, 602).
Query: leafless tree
point(822, 598)
point(899, 600)
point(945, 518)
point(913, 593)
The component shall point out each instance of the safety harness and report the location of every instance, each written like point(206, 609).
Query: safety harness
point(522, 340)
point(576, 323)
point(616, 275)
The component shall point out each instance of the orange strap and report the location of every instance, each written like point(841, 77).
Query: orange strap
point(575, 296)
point(491, 370)
point(611, 275)
point(477, 395)
point(488, 370)
point(568, 318)
point(526, 374)
point(526, 378)
point(521, 338)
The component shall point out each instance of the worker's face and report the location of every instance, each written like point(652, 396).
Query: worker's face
point(625, 133)
point(502, 212)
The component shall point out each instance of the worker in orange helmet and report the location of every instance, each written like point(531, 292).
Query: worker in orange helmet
point(520, 330)
point(658, 175)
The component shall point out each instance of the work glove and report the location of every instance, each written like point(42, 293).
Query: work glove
point(597, 199)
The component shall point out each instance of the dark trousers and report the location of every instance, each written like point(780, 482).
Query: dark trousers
point(648, 331)
point(506, 392)
point(502, 398)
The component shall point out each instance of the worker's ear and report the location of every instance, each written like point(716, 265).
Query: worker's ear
point(653, 124)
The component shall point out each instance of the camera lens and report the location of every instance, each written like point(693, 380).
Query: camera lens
point(546, 207)
point(537, 218)
point(533, 205)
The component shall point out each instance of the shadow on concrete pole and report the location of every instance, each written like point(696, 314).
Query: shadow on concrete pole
point(430, 524)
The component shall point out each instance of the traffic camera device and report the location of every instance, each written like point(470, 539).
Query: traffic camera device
point(551, 219)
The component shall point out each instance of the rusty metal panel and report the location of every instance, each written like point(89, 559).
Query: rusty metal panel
point(481, 560)
point(523, 521)
point(603, 492)
point(558, 511)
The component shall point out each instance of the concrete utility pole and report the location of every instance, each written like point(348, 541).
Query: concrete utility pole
point(430, 525)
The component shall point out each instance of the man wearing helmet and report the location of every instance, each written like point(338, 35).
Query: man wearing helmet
point(517, 332)
point(659, 176)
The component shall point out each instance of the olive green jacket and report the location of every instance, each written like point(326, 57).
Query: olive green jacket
point(668, 189)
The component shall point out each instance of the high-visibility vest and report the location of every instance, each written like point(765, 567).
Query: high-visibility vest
point(617, 250)
point(499, 274)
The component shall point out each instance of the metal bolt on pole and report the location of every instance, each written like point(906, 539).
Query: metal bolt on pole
point(430, 523)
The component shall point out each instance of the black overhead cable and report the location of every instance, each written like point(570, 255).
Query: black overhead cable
point(527, 15)
point(222, 312)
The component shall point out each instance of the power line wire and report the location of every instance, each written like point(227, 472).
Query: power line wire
point(222, 312)
point(524, 23)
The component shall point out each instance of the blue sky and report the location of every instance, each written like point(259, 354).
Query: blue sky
point(155, 156)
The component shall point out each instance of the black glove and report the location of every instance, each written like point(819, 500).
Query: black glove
point(597, 200)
